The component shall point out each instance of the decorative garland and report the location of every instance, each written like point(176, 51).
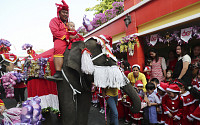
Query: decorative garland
point(26, 46)
point(36, 68)
point(4, 46)
point(127, 44)
point(191, 32)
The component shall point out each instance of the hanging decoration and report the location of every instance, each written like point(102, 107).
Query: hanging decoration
point(182, 36)
point(153, 39)
point(186, 34)
point(127, 44)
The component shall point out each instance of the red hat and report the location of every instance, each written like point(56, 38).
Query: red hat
point(63, 6)
point(173, 88)
point(107, 38)
point(138, 83)
point(163, 86)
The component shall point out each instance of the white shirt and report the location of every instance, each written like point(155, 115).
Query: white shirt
point(185, 58)
point(153, 98)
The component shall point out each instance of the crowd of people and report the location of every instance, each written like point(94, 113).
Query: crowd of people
point(169, 90)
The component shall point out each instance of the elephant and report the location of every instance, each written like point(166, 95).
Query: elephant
point(74, 92)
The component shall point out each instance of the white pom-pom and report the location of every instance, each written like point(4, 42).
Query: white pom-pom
point(87, 65)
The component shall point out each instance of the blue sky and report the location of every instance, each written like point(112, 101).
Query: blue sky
point(27, 21)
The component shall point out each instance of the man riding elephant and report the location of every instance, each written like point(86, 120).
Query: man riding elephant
point(58, 27)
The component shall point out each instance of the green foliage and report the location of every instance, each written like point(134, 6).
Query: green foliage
point(102, 6)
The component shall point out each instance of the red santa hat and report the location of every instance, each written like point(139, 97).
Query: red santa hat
point(138, 83)
point(163, 86)
point(107, 38)
point(63, 6)
point(173, 88)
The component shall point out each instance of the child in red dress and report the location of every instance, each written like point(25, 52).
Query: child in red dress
point(161, 92)
point(137, 117)
point(147, 69)
point(189, 104)
point(169, 76)
point(195, 116)
point(72, 32)
point(171, 104)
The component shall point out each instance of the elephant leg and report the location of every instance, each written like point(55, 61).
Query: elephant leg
point(83, 104)
point(131, 92)
point(66, 104)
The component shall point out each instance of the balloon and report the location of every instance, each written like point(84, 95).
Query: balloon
point(86, 23)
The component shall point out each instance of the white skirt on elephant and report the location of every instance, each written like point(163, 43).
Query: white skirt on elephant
point(109, 76)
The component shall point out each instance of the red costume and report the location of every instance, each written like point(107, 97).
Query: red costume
point(73, 33)
point(59, 31)
point(195, 115)
point(189, 105)
point(160, 115)
point(147, 74)
point(137, 116)
point(172, 106)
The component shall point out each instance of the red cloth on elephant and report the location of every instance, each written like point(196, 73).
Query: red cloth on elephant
point(59, 31)
point(73, 33)
point(20, 85)
point(45, 89)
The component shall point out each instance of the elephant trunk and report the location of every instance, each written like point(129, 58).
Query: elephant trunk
point(131, 92)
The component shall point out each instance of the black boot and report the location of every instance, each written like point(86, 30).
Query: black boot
point(56, 77)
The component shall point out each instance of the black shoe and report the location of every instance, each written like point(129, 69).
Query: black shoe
point(55, 77)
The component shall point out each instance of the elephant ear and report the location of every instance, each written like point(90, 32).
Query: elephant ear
point(73, 56)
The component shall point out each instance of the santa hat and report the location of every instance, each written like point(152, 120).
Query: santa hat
point(136, 65)
point(163, 86)
point(63, 6)
point(108, 39)
point(138, 83)
point(173, 88)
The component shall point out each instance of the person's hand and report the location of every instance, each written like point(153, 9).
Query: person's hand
point(175, 119)
point(170, 115)
point(158, 109)
point(76, 36)
point(146, 99)
point(149, 104)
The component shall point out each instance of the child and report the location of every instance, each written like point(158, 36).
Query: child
point(95, 99)
point(137, 117)
point(155, 81)
point(196, 81)
point(189, 104)
point(195, 116)
point(168, 76)
point(72, 34)
point(171, 105)
point(153, 102)
point(147, 69)
point(161, 93)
